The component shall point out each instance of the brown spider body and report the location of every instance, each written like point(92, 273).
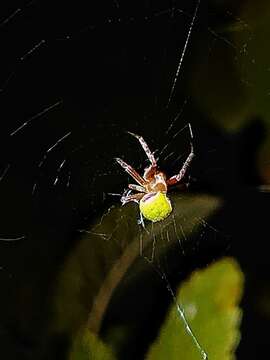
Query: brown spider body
point(152, 187)
point(155, 181)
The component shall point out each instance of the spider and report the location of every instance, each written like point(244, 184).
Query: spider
point(152, 187)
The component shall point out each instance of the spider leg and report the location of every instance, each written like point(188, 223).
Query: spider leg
point(137, 188)
point(146, 149)
point(177, 178)
point(132, 172)
point(126, 197)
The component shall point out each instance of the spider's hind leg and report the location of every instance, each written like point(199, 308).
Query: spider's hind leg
point(138, 188)
point(127, 197)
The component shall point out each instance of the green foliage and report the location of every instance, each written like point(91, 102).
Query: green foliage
point(234, 77)
point(210, 301)
point(110, 247)
point(87, 346)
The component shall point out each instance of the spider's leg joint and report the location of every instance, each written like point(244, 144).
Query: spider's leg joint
point(119, 161)
point(124, 196)
point(132, 172)
point(190, 130)
point(135, 135)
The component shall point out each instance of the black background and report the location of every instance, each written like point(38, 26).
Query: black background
point(110, 67)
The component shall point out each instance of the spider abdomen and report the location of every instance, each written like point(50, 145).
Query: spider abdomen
point(155, 206)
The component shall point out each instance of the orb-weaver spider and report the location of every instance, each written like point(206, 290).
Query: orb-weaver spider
point(152, 187)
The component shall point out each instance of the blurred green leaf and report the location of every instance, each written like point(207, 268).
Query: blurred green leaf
point(210, 301)
point(87, 346)
point(110, 246)
point(234, 76)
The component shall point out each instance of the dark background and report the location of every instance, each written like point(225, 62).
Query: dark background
point(95, 70)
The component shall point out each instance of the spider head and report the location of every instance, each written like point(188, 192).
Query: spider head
point(155, 206)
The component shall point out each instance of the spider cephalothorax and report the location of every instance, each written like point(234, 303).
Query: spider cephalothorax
point(153, 185)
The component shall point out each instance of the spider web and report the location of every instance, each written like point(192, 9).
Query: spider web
point(71, 86)
point(184, 230)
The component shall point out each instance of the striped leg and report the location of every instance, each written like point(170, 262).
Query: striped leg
point(126, 197)
point(145, 147)
point(177, 178)
point(132, 172)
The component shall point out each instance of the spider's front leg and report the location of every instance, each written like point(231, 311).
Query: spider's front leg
point(146, 149)
point(149, 171)
point(132, 172)
point(177, 178)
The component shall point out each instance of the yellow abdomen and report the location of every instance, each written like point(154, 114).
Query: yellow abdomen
point(155, 206)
